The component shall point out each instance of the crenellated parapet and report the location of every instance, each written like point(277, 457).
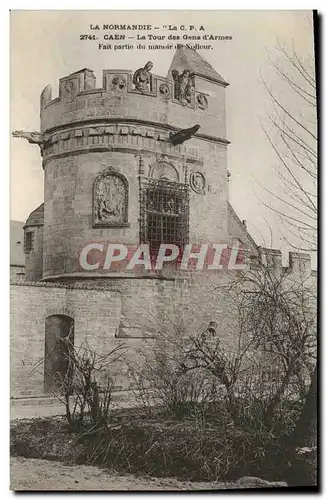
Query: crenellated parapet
point(299, 264)
point(161, 103)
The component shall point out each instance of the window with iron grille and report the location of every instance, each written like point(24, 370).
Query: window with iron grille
point(164, 214)
point(28, 241)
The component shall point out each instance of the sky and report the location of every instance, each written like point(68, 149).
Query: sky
point(45, 46)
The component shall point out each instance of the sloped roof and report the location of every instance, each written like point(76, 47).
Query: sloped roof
point(36, 218)
point(187, 58)
point(80, 71)
point(236, 228)
point(17, 257)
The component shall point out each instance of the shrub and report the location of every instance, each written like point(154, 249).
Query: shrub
point(86, 388)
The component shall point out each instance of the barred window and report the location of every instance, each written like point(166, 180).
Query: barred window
point(164, 213)
point(28, 241)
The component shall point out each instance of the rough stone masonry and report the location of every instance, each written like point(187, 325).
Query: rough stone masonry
point(112, 173)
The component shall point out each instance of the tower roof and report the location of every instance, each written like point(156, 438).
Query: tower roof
point(36, 218)
point(187, 58)
point(17, 257)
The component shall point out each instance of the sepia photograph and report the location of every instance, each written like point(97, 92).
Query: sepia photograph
point(163, 250)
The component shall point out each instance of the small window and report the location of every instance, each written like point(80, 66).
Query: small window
point(28, 241)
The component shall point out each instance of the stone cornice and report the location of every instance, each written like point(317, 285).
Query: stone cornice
point(92, 122)
point(133, 136)
point(58, 284)
point(97, 276)
point(33, 224)
point(95, 122)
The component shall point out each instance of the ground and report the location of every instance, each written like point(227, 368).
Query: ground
point(42, 407)
point(36, 411)
point(36, 474)
point(144, 452)
point(33, 474)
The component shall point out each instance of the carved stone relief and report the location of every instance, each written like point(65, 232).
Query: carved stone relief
point(164, 91)
point(197, 182)
point(142, 78)
point(183, 86)
point(118, 83)
point(68, 88)
point(164, 170)
point(110, 199)
point(33, 138)
point(202, 101)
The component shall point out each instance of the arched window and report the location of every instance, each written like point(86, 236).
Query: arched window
point(110, 200)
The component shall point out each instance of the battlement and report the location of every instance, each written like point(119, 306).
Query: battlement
point(80, 100)
point(299, 264)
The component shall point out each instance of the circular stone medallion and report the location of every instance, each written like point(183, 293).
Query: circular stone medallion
point(118, 82)
point(202, 101)
point(197, 182)
point(164, 90)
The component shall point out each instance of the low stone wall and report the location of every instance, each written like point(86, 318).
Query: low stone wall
point(115, 312)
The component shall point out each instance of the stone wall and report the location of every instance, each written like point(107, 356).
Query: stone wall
point(34, 258)
point(127, 311)
point(96, 318)
point(122, 311)
point(17, 272)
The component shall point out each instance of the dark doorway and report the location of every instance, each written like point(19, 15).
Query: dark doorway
point(59, 341)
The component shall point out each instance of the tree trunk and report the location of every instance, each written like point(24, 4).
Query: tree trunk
point(302, 467)
point(305, 428)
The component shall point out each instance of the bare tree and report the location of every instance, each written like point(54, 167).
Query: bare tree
point(85, 386)
point(292, 133)
point(293, 136)
point(270, 362)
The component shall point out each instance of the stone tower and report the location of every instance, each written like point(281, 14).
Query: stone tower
point(118, 136)
point(141, 159)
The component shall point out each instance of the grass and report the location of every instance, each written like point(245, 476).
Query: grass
point(199, 447)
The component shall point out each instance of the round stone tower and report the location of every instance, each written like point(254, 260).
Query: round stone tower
point(102, 146)
point(33, 244)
